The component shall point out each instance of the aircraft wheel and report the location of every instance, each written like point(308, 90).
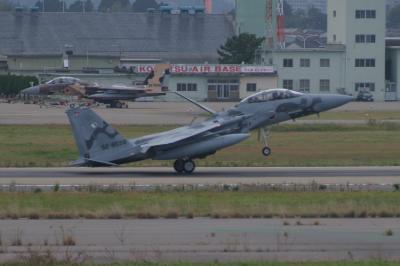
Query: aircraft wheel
point(266, 151)
point(189, 166)
point(179, 166)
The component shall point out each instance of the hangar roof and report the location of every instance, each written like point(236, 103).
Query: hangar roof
point(180, 38)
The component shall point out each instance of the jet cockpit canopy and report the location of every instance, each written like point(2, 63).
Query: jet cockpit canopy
point(271, 95)
point(63, 80)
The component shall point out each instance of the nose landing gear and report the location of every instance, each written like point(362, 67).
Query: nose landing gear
point(184, 166)
point(262, 136)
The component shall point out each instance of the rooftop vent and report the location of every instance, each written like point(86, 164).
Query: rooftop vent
point(185, 10)
point(151, 10)
point(199, 10)
point(165, 9)
point(35, 10)
point(19, 9)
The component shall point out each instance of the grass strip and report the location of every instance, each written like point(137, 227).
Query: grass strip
point(96, 205)
point(292, 145)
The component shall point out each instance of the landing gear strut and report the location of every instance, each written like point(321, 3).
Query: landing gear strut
point(184, 166)
point(263, 135)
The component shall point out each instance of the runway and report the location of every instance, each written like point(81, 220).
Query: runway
point(203, 175)
point(205, 239)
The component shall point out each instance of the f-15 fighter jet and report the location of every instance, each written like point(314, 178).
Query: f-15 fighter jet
point(155, 84)
point(100, 144)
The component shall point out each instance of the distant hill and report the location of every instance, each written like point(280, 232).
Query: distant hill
point(220, 6)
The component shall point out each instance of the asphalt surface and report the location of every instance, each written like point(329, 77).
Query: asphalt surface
point(156, 113)
point(202, 175)
point(204, 239)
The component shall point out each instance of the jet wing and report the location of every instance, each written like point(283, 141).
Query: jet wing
point(122, 93)
point(174, 136)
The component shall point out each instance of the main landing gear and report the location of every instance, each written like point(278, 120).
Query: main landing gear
point(184, 166)
point(263, 135)
point(118, 105)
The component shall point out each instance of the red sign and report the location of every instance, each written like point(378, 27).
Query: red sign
point(144, 68)
point(199, 69)
point(203, 69)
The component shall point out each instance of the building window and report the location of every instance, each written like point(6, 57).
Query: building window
point(369, 62)
point(287, 62)
point(192, 87)
point(360, 38)
point(251, 87)
point(288, 84)
point(324, 85)
point(334, 13)
point(186, 87)
point(304, 85)
point(361, 14)
point(181, 87)
point(334, 37)
point(364, 86)
point(370, 13)
point(305, 62)
point(369, 38)
point(325, 62)
point(359, 63)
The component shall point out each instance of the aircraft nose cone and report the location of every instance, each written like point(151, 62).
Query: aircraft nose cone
point(334, 101)
point(34, 90)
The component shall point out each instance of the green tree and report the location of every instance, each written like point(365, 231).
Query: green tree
point(316, 19)
point(393, 17)
point(239, 49)
point(81, 5)
point(13, 84)
point(5, 5)
point(313, 18)
point(143, 5)
point(287, 8)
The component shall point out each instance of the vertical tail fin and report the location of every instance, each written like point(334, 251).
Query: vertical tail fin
point(158, 79)
point(97, 141)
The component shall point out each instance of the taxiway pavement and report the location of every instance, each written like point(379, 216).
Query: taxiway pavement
point(204, 239)
point(156, 113)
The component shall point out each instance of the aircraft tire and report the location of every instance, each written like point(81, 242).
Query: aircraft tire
point(266, 151)
point(189, 166)
point(179, 166)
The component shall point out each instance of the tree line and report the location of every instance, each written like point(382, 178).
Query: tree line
point(13, 84)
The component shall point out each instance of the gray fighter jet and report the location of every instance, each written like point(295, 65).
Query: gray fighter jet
point(100, 144)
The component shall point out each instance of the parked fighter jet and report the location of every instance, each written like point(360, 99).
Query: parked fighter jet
point(100, 144)
point(155, 84)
